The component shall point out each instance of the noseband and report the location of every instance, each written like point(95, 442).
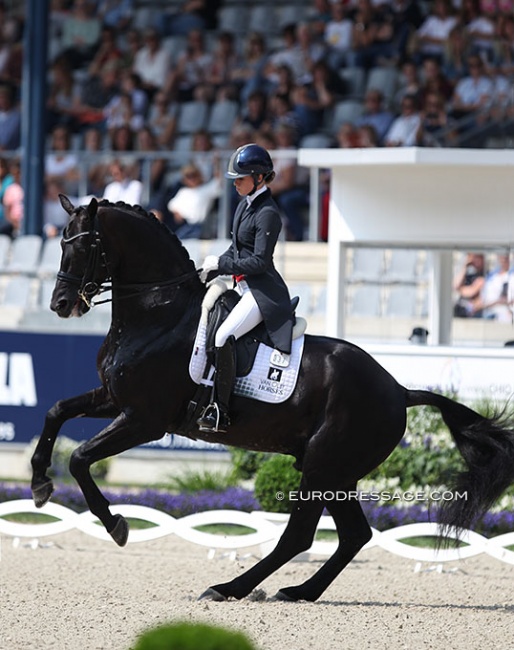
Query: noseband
point(97, 259)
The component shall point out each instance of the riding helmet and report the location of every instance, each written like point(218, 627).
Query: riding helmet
point(248, 160)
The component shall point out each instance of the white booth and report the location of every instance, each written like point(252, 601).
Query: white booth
point(436, 199)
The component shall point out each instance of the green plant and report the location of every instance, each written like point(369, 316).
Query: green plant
point(192, 636)
point(61, 454)
point(246, 463)
point(195, 481)
point(274, 480)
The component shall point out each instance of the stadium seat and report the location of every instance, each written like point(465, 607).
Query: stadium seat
point(25, 252)
point(5, 246)
point(354, 81)
point(402, 266)
point(347, 110)
point(50, 257)
point(17, 291)
point(192, 116)
point(368, 265)
point(401, 301)
point(222, 116)
point(383, 79)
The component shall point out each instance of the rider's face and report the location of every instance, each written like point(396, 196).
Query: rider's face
point(244, 185)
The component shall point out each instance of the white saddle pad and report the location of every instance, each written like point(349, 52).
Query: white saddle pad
point(272, 378)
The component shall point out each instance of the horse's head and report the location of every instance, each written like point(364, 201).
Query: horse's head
point(83, 268)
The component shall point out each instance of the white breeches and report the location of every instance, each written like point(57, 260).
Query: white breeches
point(244, 317)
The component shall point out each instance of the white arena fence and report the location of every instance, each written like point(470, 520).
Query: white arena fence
point(267, 526)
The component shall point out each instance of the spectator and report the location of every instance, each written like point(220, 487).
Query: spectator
point(469, 283)
point(193, 15)
point(254, 112)
point(122, 187)
point(203, 154)
point(63, 96)
point(151, 170)
point(129, 106)
point(338, 35)
point(282, 113)
point(97, 163)
point(456, 53)
point(106, 51)
point(403, 131)
point(433, 120)
point(13, 202)
point(80, 33)
point(97, 92)
point(372, 37)
point(479, 29)
point(506, 44)
point(189, 78)
point(473, 93)
point(433, 34)
point(60, 163)
point(290, 189)
point(367, 136)
point(11, 53)
point(248, 71)
point(435, 81)
point(123, 143)
point(10, 120)
point(6, 178)
point(116, 14)
point(162, 118)
point(496, 298)
point(222, 66)
point(375, 114)
point(152, 63)
point(133, 43)
point(192, 203)
point(406, 17)
point(347, 136)
point(54, 217)
point(318, 17)
point(410, 83)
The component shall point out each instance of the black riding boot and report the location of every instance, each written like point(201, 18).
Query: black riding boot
point(215, 418)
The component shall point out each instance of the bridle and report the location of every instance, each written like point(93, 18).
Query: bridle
point(88, 287)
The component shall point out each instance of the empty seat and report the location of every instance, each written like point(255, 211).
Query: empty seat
point(17, 291)
point(263, 19)
point(222, 116)
point(290, 14)
point(354, 81)
point(50, 260)
point(46, 290)
point(192, 116)
point(348, 110)
point(383, 79)
point(5, 245)
point(316, 141)
point(402, 266)
point(233, 19)
point(366, 301)
point(368, 265)
point(402, 301)
point(25, 252)
point(181, 151)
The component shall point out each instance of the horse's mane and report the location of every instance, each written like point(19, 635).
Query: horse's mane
point(138, 211)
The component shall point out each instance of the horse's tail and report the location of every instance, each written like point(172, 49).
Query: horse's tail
point(487, 447)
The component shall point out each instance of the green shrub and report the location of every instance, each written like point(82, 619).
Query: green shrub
point(194, 481)
point(276, 476)
point(246, 463)
point(192, 636)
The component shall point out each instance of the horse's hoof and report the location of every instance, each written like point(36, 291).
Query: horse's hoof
point(281, 595)
point(212, 594)
point(120, 531)
point(42, 493)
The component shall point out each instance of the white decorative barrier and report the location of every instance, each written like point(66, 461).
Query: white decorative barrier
point(268, 528)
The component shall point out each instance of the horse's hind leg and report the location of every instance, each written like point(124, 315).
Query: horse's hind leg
point(353, 531)
point(94, 404)
point(120, 435)
point(296, 538)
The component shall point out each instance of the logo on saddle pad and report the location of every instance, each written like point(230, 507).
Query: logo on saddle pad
point(272, 378)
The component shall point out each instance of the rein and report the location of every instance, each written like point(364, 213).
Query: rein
point(88, 288)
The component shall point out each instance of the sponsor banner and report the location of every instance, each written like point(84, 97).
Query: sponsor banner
point(37, 370)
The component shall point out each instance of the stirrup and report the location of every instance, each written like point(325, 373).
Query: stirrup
point(213, 420)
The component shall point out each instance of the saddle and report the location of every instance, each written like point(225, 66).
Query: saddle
point(248, 344)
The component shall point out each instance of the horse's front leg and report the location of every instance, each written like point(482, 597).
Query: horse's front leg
point(122, 434)
point(94, 404)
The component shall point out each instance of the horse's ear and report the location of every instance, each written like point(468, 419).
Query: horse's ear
point(66, 203)
point(92, 208)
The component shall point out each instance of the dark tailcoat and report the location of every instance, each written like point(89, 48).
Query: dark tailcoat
point(255, 232)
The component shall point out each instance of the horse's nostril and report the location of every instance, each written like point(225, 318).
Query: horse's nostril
point(59, 305)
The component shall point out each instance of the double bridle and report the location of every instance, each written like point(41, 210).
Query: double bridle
point(89, 287)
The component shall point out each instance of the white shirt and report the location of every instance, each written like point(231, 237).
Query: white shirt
point(403, 131)
point(435, 27)
point(152, 68)
point(195, 203)
point(128, 191)
point(470, 91)
point(338, 34)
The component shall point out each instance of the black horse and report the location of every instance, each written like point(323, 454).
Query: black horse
point(345, 417)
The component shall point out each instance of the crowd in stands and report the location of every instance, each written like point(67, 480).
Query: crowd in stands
point(121, 71)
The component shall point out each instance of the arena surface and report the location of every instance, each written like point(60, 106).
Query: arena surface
point(75, 592)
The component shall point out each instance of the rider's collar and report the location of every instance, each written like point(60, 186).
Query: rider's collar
point(252, 198)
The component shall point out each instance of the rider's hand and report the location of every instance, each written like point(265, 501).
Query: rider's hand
point(210, 264)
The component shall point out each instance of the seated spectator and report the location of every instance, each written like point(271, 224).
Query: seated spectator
point(106, 51)
point(406, 17)
point(496, 297)
point(122, 187)
point(6, 178)
point(290, 188)
point(367, 136)
point(434, 80)
point(222, 65)
point(63, 96)
point(10, 120)
point(192, 203)
point(432, 36)
point(282, 113)
point(410, 82)
point(116, 14)
point(96, 93)
point(61, 164)
point(13, 202)
point(129, 106)
point(254, 111)
point(338, 35)
point(151, 170)
point(162, 119)
point(455, 56)
point(318, 16)
point(433, 120)
point(188, 79)
point(375, 114)
point(54, 217)
point(152, 63)
point(373, 37)
point(247, 74)
point(474, 92)
point(192, 14)
point(506, 44)
point(80, 33)
point(404, 129)
point(204, 155)
point(479, 28)
point(97, 163)
point(469, 283)
point(347, 136)
point(11, 52)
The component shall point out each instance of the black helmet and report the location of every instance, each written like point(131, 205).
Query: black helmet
point(248, 160)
